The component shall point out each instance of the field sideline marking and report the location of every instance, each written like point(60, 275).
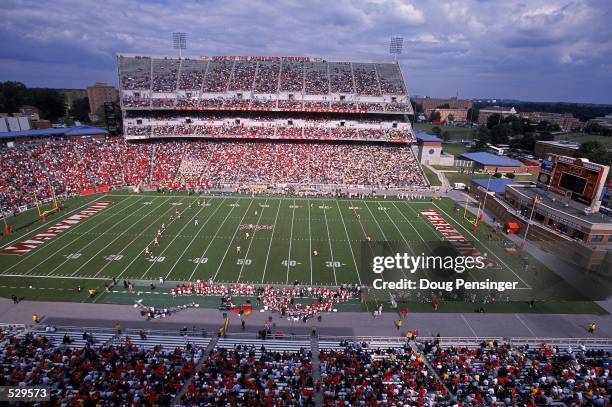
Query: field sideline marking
point(469, 326)
point(270, 244)
point(252, 239)
point(134, 239)
point(171, 241)
point(349, 242)
point(290, 239)
point(41, 226)
point(330, 245)
point(67, 233)
point(211, 216)
point(111, 242)
point(527, 286)
point(213, 239)
point(233, 237)
point(309, 239)
point(525, 325)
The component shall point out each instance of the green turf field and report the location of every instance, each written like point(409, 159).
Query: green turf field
point(283, 234)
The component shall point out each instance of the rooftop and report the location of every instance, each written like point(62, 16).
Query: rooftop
point(497, 185)
point(78, 131)
point(555, 202)
point(426, 137)
point(490, 159)
point(560, 143)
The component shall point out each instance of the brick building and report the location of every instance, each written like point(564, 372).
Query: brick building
point(99, 94)
point(486, 112)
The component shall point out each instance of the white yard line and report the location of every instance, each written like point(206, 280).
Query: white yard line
point(349, 242)
point(469, 326)
point(385, 237)
point(138, 236)
point(172, 241)
point(290, 239)
point(252, 239)
point(111, 242)
point(232, 241)
point(212, 240)
point(270, 245)
point(47, 225)
point(211, 216)
point(33, 252)
point(309, 239)
point(331, 250)
point(525, 325)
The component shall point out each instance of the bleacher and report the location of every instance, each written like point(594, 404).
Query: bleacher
point(352, 370)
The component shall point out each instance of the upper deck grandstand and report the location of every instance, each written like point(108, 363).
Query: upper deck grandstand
point(262, 83)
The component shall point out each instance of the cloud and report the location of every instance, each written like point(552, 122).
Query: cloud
point(483, 48)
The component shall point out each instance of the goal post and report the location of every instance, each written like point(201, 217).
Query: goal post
point(42, 212)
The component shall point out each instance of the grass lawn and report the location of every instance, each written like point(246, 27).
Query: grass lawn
point(455, 149)
point(431, 177)
point(464, 178)
point(456, 133)
point(277, 237)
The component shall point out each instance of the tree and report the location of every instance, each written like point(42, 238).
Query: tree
point(510, 175)
point(446, 136)
point(436, 130)
point(596, 152)
point(435, 116)
point(500, 134)
point(50, 102)
point(481, 138)
point(80, 109)
point(493, 120)
point(443, 106)
point(497, 175)
point(12, 96)
point(472, 114)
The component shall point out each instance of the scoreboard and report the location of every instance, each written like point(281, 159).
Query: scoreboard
point(581, 180)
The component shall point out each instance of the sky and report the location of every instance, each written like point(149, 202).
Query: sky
point(539, 50)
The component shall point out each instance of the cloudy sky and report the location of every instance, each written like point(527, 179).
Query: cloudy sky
point(550, 50)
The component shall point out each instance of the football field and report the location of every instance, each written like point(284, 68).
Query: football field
point(230, 239)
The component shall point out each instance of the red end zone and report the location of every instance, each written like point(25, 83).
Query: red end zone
point(450, 234)
point(25, 246)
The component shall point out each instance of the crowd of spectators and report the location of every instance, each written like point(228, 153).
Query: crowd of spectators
point(70, 166)
point(239, 377)
point(262, 75)
point(108, 375)
point(502, 375)
point(314, 129)
point(391, 377)
point(352, 374)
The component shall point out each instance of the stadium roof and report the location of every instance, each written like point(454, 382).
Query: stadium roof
point(489, 159)
point(78, 131)
point(497, 185)
point(426, 137)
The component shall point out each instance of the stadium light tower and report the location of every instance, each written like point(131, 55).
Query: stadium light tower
point(179, 41)
point(396, 44)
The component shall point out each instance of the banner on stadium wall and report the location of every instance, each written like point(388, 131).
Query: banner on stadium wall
point(88, 191)
point(104, 188)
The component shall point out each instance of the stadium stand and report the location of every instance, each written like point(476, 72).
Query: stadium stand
point(161, 98)
point(73, 166)
point(83, 365)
